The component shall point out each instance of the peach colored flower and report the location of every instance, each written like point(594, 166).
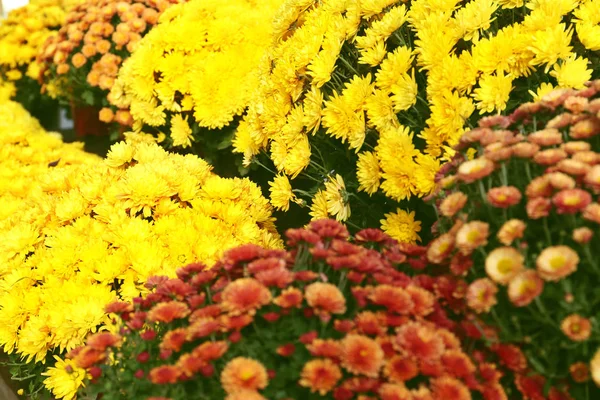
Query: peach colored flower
point(481, 295)
point(560, 121)
point(559, 180)
point(585, 129)
point(538, 207)
point(361, 355)
point(549, 156)
point(472, 235)
point(497, 152)
point(576, 104)
point(503, 264)
point(440, 248)
point(592, 178)
point(243, 374)
point(401, 369)
point(576, 147)
point(589, 157)
point(592, 213)
point(546, 137)
point(325, 298)
point(582, 235)
point(453, 203)
point(504, 196)
point(245, 395)
point(320, 375)
point(167, 312)
point(576, 327)
point(511, 230)
point(556, 262)
point(579, 371)
point(244, 295)
point(525, 149)
point(539, 187)
point(573, 167)
point(570, 201)
point(525, 287)
point(476, 169)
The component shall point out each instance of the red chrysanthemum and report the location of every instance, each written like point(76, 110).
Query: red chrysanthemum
point(190, 364)
point(167, 312)
point(361, 355)
point(325, 298)
point(289, 298)
point(165, 374)
point(401, 369)
point(449, 388)
point(390, 391)
point(419, 341)
point(369, 323)
point(570, 201)
point(210, 351)
point(245, 295)
point(511, 356)
point(457, 363)
point(395, 299)
point(100, 341)
point(202, 328)
point(174, 339)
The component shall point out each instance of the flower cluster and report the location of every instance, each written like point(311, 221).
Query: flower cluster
point(519, 217)
point(74, 238)
point(196, 68)
point(331, 318)
point(80, 63)
point(349, 84)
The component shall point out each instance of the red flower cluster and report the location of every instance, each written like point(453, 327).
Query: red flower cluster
point(339, 311)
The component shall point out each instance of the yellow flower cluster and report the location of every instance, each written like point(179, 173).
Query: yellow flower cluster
point(372, 73)
point(77, 232)
point(23, 33)
point(198, 62)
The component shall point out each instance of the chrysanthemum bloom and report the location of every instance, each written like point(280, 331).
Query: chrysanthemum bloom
point(570, 201)
point(289, 298)
point(573, 167)
point(174, 339)
point(525, 287)
point(325, 348)
point(457, 363)
point(245, 295)
point(88, 356)
point(576, 327)
point(511, 230)
point(440, 248)
point(595, 367)
point(560, 180)
point(592, 178)
point(281, 192)
point(549, 156)
point(556, 262)
point(476, 169)
point(585, 129)
point(503, 264)
point(395, 299)
point(245, 395)
point(576, 104)
point(167, 312)
point(190, 364)
point(580, 372)
point(325, 298)
point(546, 137)
point(423, 300)
point(472, 235)
point(497, 152)
point(592, 213)
point(419, 341)
point(361, 355)
point(582, 235)
point(390, 391)
point(243, 374)
point(369, 323)
point(210, 351)
point(525, 150)
point(575, 146)
point(450, 388)
point(590, 158)
point(511, 356)
point(320, 375)
point(100, 341)
point(453, 204)
point(538, 207)
point(539, 187)
point(401, 369)
point(504, 196)
point(165, 374)
point(481, 295)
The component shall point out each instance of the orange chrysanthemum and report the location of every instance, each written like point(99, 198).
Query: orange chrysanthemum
point(556, 262)
point(580, 372)
point(174, 339)
point(167, 312)
point(320, 375)
point(471, 236)
point(456, 363)
point(390, 391)
point(525, 287)
point(582, 235)
point(326, 348)
point(361, 355)
point(165, 374)
point(473, 170)
point(450, 388)
point(503, 264)
point(325, 298)
point(440, 248)
point(481, 295)
point(423, 300)
point(210, 351)
point(395, 299)
point(243, 374)
point(401, 369)
point(511, 230)
point(570, 201)
point(538, 207)
point(504, 196)
point(369, 323)
point(576, 327)
point(245, 395)
point(453, 204)
point(245, 295)
point(419, 341)
point(289, 298)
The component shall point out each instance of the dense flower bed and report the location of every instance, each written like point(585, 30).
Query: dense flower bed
point(519, 218)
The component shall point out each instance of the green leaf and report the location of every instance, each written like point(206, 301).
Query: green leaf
point(88, 97)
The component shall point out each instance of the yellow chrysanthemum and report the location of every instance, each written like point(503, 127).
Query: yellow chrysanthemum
point(336, 196)
point(572, 73)
point(402, 226)
point(281, 192)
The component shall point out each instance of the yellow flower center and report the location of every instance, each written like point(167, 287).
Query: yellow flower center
point(472, 236)
point(505, 265)
point(501, 197)
point(247, 374)
point(575, 328)
point(572, 200)
point(557, 262)
point(363, 353)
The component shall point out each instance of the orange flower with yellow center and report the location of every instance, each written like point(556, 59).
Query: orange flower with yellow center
point(481, 295)
point(525, 287)
point(556, 262)
point(245, 295)
point(320, 375)
point(576, 328)
point(503, 264)
point(453, 204)
point(511, 230)
point(361, 355)
point(504, 196)
point(440, 248)
point(243, 374)
point(325, 298)
point(570, 201)
point(471, 236)
point(473, 170)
